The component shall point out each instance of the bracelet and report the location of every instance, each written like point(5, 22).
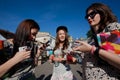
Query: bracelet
point(92, 50)
point(96, 52)
point(52, 58)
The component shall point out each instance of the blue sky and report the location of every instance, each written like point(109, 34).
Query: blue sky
point(50, 14)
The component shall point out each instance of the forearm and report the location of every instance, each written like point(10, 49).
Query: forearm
point(59, 59)
point(36, 58)
point(111, 58)
point(7, 65)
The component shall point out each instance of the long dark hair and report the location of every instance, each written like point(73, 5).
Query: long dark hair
point(23, 33)
point(106, 15)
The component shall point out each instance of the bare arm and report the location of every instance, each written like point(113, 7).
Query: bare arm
point(11, 62)
point(6, 66)
point(111, 58)
point(40, 50)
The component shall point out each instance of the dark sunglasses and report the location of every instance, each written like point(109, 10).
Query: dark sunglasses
point(91, 15)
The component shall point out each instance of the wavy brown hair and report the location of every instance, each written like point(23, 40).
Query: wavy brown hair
point(66, 42)
point(105, 13)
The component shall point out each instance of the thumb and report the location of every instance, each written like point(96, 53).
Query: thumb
point(75, 48)
point(78, 41)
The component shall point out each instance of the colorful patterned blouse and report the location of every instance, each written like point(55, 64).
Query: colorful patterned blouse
point(95, 68)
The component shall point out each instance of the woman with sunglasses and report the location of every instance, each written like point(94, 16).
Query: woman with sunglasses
point(98, 63)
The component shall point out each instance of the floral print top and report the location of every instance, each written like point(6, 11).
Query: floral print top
point(95, 68)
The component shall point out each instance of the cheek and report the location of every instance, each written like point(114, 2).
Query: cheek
point(97, 18)
point(96, 21)
point(30, 37)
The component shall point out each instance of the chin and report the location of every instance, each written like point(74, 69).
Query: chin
point(92, 24)
point(62, 40)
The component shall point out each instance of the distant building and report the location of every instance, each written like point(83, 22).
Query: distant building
point(70, 39)
point(44, 37)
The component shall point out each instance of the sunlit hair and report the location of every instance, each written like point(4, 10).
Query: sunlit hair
point(57, 42)
point(105, 13)
point(23, 32)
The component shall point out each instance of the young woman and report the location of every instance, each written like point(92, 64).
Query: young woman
point(61, 69)
point(23, 50)
point(100, 64)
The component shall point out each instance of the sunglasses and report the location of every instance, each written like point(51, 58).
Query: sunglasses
point(91, 15)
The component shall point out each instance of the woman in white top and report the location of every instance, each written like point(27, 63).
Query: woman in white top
point(61, 69)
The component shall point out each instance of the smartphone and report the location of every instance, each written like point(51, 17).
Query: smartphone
point(23, 48)
point(75, 44)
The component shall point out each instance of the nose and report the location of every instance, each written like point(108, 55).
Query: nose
point(33, 37)
point(89, 17)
